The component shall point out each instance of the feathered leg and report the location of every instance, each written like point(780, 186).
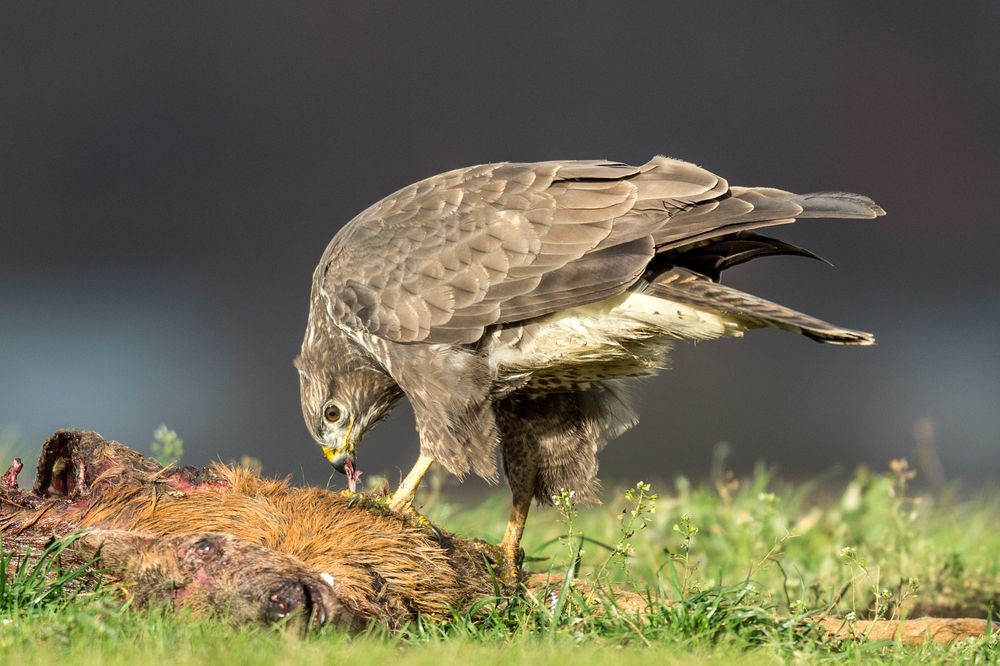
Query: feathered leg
point(521, 464)
point(550, 443)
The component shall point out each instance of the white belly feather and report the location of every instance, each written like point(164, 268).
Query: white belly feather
point(627, 335)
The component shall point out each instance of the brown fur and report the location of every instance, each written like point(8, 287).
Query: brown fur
point(381, 562)
point(383, 565)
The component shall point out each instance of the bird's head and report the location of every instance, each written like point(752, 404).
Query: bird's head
point(340, 402)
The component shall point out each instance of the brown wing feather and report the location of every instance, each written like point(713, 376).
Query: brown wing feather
point(443, 259)
point(680, 284)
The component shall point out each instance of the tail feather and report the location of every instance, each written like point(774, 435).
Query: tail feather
point(713, 257)
point(749, 208)
point(697, 244)
point(682, 285)
point(846, 205)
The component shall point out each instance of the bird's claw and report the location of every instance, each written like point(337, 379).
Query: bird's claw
point(381, 504)
point(507, 566)
point(438, 534)
point(420, 520)
point(366, 501)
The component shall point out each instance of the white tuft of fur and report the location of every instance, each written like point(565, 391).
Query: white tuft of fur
point(610, 331)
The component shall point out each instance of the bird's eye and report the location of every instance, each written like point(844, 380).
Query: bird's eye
point(331, 413)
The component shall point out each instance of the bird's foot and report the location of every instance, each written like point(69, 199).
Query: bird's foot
point(384, 505)
point(418, 519)
point(410, 512)
point(401, 501)
point(505, 561)
point(372, 502)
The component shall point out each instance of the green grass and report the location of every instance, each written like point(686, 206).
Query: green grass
point(735, 569)
point(39, 581)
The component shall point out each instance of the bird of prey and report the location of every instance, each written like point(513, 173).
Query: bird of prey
point(508, 302)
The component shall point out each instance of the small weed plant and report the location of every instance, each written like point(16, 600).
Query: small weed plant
point(36, 580)
point(167, 446)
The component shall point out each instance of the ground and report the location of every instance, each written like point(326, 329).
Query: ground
point(737, 568)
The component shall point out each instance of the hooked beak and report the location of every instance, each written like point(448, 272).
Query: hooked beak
point(339, 461)
point(338, 457)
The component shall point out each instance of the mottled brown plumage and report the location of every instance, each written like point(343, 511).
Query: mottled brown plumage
point(505, 300)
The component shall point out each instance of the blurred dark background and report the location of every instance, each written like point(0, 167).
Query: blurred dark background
point(171, 172)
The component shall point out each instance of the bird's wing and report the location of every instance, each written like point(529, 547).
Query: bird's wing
point(442, 259)
point(680, 284)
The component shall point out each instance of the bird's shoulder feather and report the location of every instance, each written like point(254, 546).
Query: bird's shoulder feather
point(447, 257)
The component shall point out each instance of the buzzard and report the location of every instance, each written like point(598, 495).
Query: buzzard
point(508, 302)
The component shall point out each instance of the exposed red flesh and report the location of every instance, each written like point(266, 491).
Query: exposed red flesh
point(10, 478)
point(353, 474)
